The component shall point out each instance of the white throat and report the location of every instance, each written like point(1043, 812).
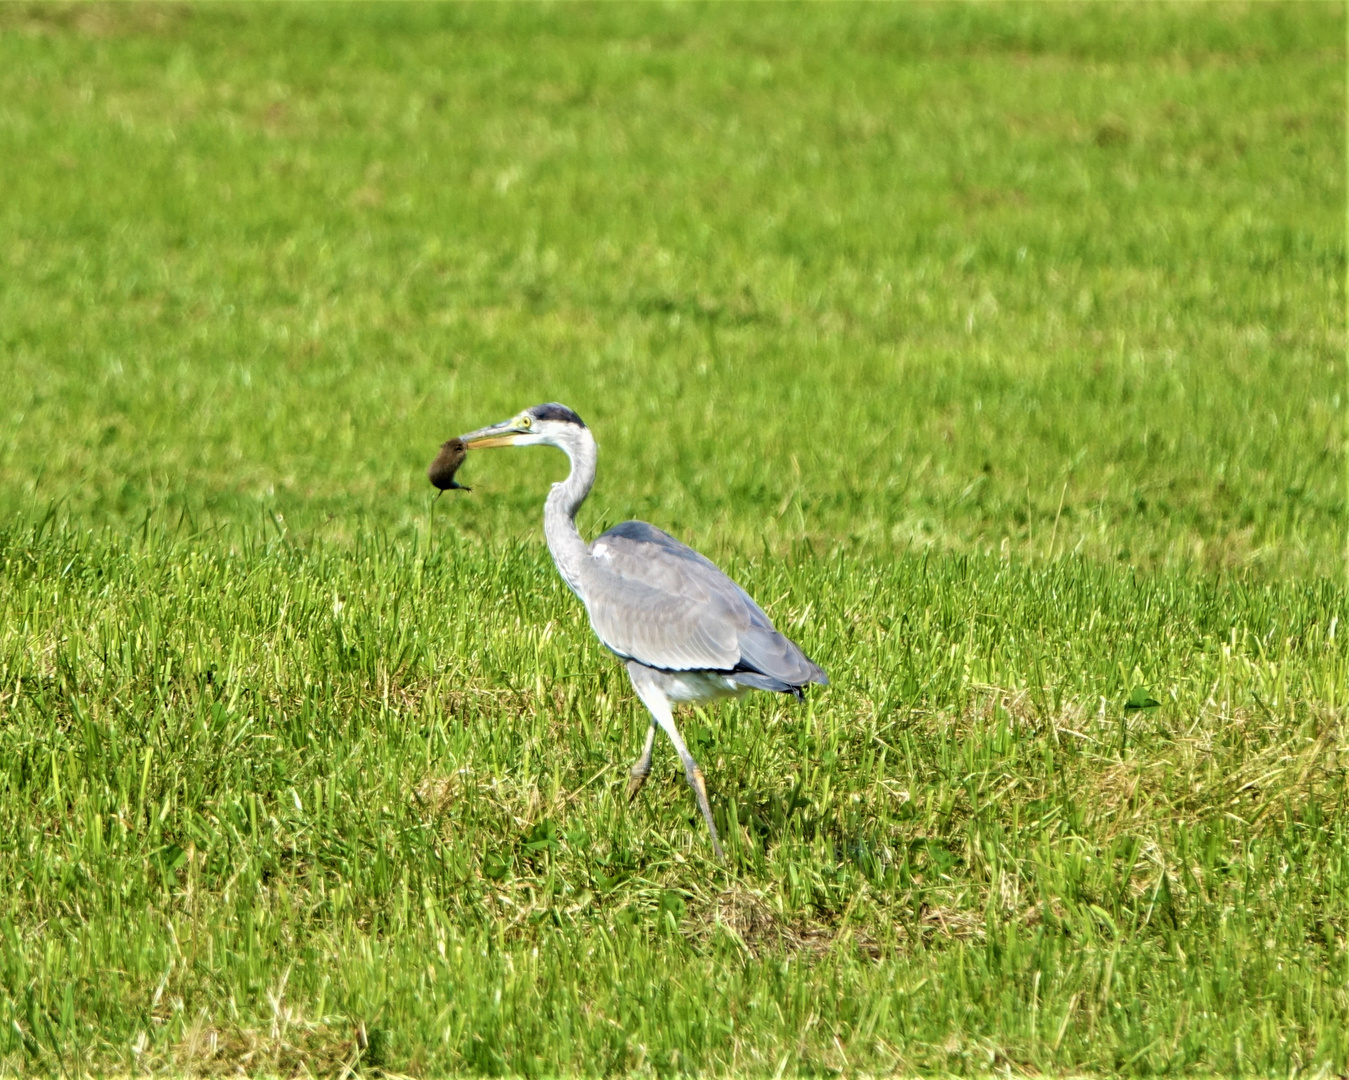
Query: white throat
point(570, 551)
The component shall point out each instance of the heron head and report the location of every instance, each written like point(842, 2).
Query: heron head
point(546, 425)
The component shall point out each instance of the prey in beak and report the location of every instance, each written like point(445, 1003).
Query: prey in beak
point(521, 431)
point(441, 471)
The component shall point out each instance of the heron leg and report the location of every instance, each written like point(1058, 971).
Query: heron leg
point(653, 697)
point(641, 768)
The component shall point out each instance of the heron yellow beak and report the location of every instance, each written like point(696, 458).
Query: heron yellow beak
point(503, 434)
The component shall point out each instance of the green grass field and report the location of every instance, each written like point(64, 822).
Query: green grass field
point(998, 350)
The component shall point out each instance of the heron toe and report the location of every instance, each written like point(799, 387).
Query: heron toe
point(636, 778)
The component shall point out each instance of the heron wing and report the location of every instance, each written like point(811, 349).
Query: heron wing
point(657, 601)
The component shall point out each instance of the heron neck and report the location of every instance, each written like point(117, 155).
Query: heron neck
point(570, 552)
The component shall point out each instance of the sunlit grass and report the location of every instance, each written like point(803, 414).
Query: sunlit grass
point(881, 276)
point(997, 350)
point(384, 785)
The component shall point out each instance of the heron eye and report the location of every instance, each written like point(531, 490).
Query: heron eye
point(526, 421)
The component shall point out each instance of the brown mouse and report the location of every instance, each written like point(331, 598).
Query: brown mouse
point(441, 471)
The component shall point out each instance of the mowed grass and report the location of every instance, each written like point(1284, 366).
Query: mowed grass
point(955, 276)
point(998, 350)
point(256, 799)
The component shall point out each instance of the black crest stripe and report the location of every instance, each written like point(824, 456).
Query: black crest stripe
point(554, 411)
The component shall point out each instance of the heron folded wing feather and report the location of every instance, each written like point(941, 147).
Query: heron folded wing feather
point(661, 630)
point(661, 603)
point(770, 653)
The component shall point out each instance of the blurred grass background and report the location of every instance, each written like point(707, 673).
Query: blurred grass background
point(887, 276)
point(997, 349)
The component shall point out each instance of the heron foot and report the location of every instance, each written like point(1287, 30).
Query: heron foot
point(637, 777)
point(700, 789)
point(641, 768)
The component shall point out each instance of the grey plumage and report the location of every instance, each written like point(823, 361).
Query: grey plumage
point(686, 630)
point(665, 606)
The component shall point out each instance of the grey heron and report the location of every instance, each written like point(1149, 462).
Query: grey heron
point(686, 631)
